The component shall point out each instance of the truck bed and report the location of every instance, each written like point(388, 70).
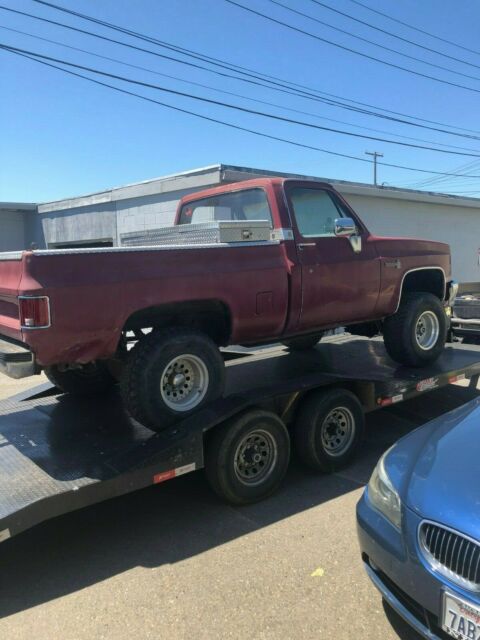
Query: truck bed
point(59, 453)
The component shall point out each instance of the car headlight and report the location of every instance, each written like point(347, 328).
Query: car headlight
point(382, 494)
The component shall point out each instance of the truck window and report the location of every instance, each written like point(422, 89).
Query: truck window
point(315, 212)
point(251, 204)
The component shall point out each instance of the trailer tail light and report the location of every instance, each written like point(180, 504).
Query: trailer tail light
point(34, 312)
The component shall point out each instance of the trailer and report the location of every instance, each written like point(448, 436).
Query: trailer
point(59, 453)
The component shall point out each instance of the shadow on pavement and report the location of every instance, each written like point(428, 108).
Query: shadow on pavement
point(401, 628)
point(174, 521)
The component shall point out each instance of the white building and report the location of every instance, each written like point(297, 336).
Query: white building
point(99, 219)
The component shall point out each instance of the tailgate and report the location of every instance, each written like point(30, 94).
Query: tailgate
point(11, 269)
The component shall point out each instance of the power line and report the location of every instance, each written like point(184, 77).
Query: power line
point(371, 42)
point(231, 125)
point(410, 26)
point(469, 166)
point(211, 88)
point(216, 61)
point(394, 35)
point(235, 107)
point(349, 49)
point(278, 86)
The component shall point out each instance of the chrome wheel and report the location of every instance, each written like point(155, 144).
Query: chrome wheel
point(255, 457)
point(427, 330)
point(338, 431)
point(184, 382)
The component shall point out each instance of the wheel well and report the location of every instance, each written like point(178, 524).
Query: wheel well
point(212, 317)
point(428, 280)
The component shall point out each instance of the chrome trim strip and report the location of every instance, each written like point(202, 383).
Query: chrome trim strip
point(395, 603)
point(437, 566)
point(11, 255)
point(281, 234)
point(421, 269)
point(172, 247)
point(45, 326)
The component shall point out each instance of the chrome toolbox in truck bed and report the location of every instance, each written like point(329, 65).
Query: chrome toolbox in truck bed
point(201, 233)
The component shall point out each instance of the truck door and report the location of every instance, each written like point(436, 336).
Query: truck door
point(338, 284)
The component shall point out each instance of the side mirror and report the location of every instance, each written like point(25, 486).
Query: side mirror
point(345, 227)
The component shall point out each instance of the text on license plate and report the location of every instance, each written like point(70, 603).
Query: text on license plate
point(461, 619)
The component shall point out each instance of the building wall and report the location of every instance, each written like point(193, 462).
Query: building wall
point(148, 212)
point(81, 224)
point(107, 215)
point(12, 230)
point(457, 226)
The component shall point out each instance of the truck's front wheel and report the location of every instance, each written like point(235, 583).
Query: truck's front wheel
point(170, 374)
point(415, 336)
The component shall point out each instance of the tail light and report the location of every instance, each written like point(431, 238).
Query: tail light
point(34, 312)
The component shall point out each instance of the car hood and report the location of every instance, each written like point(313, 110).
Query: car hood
point(436, 469)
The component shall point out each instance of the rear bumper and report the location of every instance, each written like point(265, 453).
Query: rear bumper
point(16, 361)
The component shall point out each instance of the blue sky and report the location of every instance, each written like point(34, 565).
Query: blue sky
point(61, 136)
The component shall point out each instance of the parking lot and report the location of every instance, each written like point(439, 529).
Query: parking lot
point(173, 562)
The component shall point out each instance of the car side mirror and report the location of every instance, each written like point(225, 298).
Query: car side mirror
point(345, 227)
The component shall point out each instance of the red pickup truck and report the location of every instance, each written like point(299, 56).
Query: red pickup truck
point(153, 317)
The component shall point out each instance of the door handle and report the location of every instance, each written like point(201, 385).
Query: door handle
point(302, 245)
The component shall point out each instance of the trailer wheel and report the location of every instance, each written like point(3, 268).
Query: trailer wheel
point(247, 457)
point(303, 342)
point(415, 336)
point(329, 428)
point(170, 374)
point(93, 378)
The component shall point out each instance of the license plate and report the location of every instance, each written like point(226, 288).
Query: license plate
point(461, 619)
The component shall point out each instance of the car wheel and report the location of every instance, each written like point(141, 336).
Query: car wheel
point(328, 429)
point(247, 457)
point(415, 336)
point(170, 374)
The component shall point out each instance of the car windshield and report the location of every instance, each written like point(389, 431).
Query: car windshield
point(251, 204)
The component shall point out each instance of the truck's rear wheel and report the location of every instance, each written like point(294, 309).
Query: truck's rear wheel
point(93, 378)
point(328, 429)
point(247, 457)
point(415, 336)
point(170, 374)
point(303, 342)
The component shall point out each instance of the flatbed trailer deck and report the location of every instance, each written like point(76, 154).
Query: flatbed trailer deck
point(59, 453)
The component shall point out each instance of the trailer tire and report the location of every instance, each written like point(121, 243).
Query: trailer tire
point(170, 374)
point(303, 343)
point(93, 378)
point(415, 336)
point(328, 429)
point(247, 457)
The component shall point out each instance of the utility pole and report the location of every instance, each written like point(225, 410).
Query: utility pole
point(375, 155)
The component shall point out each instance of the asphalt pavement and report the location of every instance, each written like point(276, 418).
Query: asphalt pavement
point(174, 562)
